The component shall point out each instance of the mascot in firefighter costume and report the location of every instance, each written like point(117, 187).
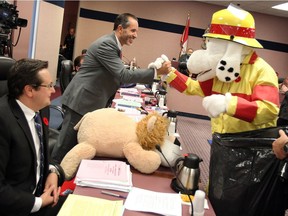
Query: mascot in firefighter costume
point(239, 90)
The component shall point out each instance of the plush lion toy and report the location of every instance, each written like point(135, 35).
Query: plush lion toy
point(109, 133)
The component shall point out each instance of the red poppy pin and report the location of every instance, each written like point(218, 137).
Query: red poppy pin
point(45, 121)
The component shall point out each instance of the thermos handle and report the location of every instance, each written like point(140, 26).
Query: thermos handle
point(165, 113)
point(178, 163)
point(156, 94)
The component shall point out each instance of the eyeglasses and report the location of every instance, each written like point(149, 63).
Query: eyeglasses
point(49, 86)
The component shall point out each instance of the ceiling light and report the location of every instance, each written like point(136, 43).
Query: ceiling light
point(283, 6)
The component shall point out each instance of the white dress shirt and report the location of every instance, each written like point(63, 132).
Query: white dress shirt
point(29, 114)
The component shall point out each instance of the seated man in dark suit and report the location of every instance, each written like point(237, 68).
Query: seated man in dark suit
point(84, 51)
point(78, 61)
point(182, 67)
point(28, 182)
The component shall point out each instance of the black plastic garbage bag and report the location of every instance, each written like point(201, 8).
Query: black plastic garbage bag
point(244, 174)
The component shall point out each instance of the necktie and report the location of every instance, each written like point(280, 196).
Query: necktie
point(38, 126)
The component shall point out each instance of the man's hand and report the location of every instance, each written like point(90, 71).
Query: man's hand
point(165, 68)
point(278, 145)
point(52, 182)
point(48, 198)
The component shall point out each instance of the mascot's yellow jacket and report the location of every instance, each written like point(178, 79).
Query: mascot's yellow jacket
point(255, 100)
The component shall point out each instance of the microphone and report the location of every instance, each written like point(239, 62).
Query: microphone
point(174, 173)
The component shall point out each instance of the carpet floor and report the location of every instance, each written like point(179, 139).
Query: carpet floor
point(194, 136)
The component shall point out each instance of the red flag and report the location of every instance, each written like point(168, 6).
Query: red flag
point(184, 37)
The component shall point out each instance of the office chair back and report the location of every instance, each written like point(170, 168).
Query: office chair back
point(5, 65)
point(66, 74)
point(60, 59)
point(55, 124)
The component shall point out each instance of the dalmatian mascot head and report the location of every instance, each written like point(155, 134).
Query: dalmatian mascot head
point(230, 38)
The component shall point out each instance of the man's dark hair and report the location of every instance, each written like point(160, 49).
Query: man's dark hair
point(122, 19)
point(24, 72)
point(77, 61)
point(84, 51)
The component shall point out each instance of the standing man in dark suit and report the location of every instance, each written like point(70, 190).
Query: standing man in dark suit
point(28, 183)
point(98, 79)
point(69, 44)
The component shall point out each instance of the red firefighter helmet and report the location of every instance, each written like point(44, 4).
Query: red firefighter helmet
point(234, 24)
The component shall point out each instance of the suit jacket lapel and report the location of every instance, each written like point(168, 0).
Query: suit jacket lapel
point(22, 122)
point(115, 40)
point(44, 113)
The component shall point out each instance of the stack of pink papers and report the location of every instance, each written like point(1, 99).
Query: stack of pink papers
point(106, 174)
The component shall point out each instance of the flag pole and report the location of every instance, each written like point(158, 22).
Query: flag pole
point(184, 36)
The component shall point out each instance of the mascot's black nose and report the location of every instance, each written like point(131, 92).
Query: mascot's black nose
point(177, 142)
point(227, 79)
point(230, 70)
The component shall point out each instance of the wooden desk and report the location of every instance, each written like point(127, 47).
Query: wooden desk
point(159, 181)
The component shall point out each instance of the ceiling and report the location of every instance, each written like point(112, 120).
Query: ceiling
point(255, 6)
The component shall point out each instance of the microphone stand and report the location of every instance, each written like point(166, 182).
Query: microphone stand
point(173, 171)
point(129, 61)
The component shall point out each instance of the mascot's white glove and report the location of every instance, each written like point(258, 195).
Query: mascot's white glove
point(216, 104)
point(158, 62)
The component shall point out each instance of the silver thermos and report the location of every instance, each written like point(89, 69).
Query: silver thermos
point(160, 95)
point(188, 174)
point(172, 117)
point(155, 86)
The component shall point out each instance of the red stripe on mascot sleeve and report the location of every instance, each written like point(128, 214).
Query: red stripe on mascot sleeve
point(179, 83)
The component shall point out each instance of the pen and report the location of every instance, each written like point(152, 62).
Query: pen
point(113, 194)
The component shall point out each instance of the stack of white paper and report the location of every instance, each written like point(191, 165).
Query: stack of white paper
point(107, 174)
point(150, 201)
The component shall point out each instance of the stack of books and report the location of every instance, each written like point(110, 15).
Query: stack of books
point(127, 106)
point(129, 92)
point(105, 174)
